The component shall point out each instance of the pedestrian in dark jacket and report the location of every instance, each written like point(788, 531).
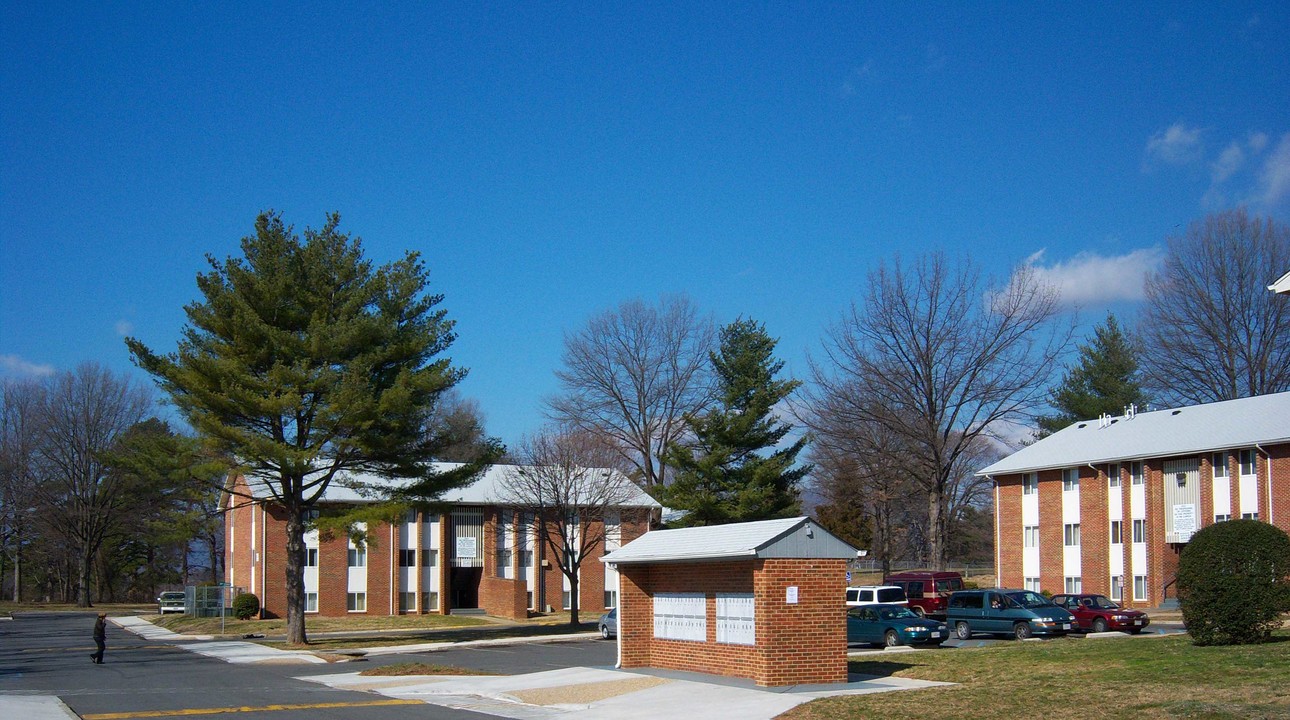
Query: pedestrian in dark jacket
point(100, 638)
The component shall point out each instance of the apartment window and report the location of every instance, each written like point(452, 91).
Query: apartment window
point(1113, 475)
point(311, 602)
point(1250, 516)
point(407, 601)
point(564, 600)
point(1135, 473)
point(429, 601)
point(1139, 531)
point(429, 558)
point(1031, 584)
point(1074, 584)
point(408, 557)
point(311, 557)
point(356, 602)
point(1219, 462)
point(1031, 536)
point(1117, 532)
point(1070, 479)
point(410, 517)
point(1139, 587)
point(309, 515)
point(1117, 587)
point(358, 557)
point(1222, 518)
point(1070, 534)
point(611, 598)
point(1247, 462)
point(503, 562)
point(1029, 484)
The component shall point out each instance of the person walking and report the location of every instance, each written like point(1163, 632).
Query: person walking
point(100, 638)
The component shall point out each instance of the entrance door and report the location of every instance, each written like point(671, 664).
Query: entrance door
point(464, 584)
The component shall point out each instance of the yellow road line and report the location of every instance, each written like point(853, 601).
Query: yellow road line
point(244, 709)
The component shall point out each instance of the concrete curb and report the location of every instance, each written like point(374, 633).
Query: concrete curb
point(35, 707)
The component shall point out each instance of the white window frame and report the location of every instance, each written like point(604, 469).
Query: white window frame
point(1137, 473)
point(1250, 515)
point(1113, 475)
point(1070, 480)
point(1074, 584)
point(1117, 532)
point(1253, 464)
point(356, 557)
point(1029, 484)
point(1070, 535)
point(1030, 536)
point(1031, 584)
point(1139, 530)
point(1218, 464)
point(356, 602)
point(1117, 587)
point(1222, 518)
point(1140, 581)
point(311, 602)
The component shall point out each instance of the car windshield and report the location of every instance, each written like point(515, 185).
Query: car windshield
point(1028, 599)
point(172, 596)
point(1101, 602)
point(896, 613)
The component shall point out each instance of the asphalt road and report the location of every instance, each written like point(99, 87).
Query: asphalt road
point(48, 654)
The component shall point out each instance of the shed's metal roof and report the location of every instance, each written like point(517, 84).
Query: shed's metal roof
point(1264, 419)
point(1282, 285)
point(788, 538)
point(488, 489)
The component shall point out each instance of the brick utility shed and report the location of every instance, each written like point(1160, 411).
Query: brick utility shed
point(760, 600)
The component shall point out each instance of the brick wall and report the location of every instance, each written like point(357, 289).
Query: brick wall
point(1279, 478)
point(1051, 542)
point(1095, 531)
point(1008, 525)
point(796, 644)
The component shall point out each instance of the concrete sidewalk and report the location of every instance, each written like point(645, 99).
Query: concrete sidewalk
point(609, 694)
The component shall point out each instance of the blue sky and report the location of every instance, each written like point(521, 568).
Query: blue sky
point(551, 160)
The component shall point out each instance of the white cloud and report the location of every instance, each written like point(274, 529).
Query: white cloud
point(1092, 278)
point(15, 366)
point(1177, 144)
point(1228, 162)
point(1274, 178)
point(1257, 141)
point(124, 327)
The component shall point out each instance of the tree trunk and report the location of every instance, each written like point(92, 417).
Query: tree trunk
point(936, 528)
point(83, 580)
point(295, 578)
point(573, 596)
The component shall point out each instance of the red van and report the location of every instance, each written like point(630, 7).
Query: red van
point(928, 591)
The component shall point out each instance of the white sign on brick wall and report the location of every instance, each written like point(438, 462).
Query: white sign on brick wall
point(790, 595)
point(466, 547)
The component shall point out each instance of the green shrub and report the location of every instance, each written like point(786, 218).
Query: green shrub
point(1234, 582)
point(245, 606)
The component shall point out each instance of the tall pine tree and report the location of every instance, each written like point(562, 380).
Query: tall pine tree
point(1106, 380)
point(726, 474)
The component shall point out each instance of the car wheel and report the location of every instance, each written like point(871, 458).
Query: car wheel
point(962, 631)
point(604, 631)
point(1021, 631)
point(1099, 625)
point(892, 638)
point(920, 612)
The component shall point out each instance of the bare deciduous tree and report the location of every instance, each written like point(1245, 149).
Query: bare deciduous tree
point(83, 414)
point(565, 481)
point(19, 407)
point(632, 374)
point(1210, 329)
point(940, 360)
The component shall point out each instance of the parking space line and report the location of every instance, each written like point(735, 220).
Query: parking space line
point(246, 709)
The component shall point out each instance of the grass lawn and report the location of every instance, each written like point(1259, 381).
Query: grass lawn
point(1114, 678)
point(410, 668)
point(357, 623)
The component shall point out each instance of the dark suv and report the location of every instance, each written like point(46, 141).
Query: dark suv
point(927, 591)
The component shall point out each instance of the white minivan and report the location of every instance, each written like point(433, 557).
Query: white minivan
point(874, 594)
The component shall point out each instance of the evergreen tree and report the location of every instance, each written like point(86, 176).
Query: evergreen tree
point(304, 362)
point(1106, 380)
point(724, 474)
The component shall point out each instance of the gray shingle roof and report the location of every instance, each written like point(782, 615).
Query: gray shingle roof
point(488, 489)
point(790, 537)
point(1224, 425)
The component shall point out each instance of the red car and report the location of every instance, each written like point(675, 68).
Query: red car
point(1097, 613)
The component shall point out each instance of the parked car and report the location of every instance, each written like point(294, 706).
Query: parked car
point(171, 601)
point(1020, 613)
point(1098, 613)
point(873, 594)
point(608, 624)
point(892, 625)
point(927, 591)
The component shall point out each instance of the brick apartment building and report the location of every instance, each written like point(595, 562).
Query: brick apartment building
point(1106, 506)
point(479, 554)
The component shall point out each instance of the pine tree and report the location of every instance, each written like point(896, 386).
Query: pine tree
point(725, 474)
point(304, 362)
point(1106, 380)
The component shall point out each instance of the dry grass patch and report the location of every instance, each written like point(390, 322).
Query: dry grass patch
point(586, 693)
point(410, 668)
point(1114, 678)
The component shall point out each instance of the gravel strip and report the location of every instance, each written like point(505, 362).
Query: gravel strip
point(585, 693)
